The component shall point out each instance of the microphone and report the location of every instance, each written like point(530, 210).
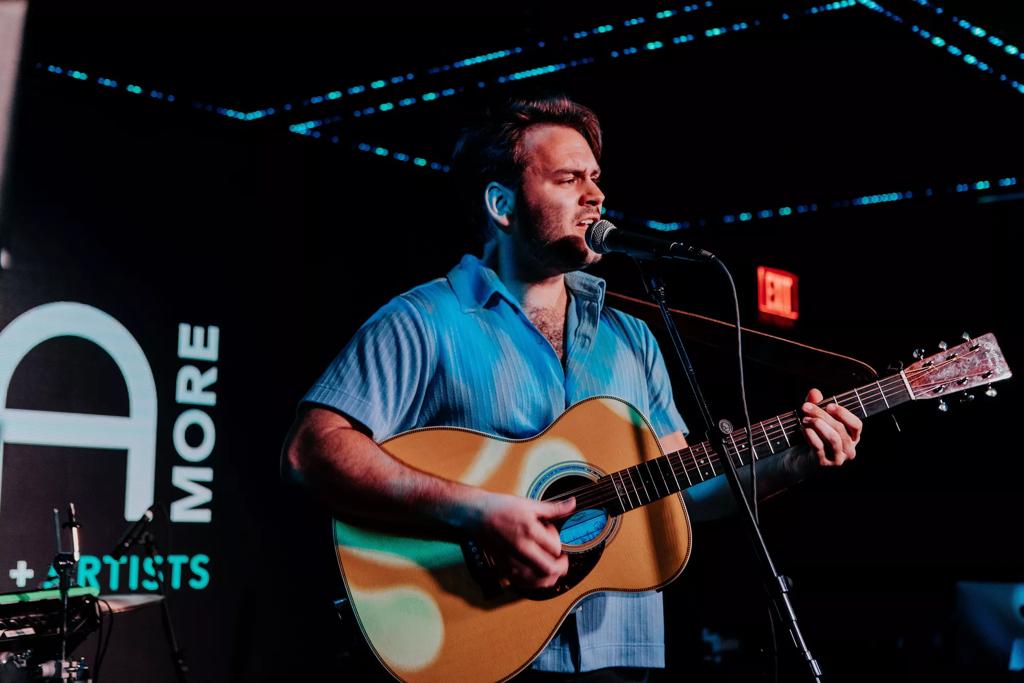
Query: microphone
point(605, 238)
point(131, 536)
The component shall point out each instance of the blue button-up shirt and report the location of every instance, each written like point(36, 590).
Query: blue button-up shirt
point(459, 351)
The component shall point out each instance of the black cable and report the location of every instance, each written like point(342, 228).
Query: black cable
point(750, 429)
point(743, 392)
point(102, 654)
point(110, 631)
point(103, 640)
point(99, 639)
point(775, 645)
point(753, 460)
point(181, 669)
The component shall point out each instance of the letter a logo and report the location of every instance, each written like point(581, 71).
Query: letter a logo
point(135, 433)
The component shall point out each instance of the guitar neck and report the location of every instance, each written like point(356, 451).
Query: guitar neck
point(654, 479)
point(973, 363)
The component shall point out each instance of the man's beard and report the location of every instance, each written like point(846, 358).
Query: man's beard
point(552, 256)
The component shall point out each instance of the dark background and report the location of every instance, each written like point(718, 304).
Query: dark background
point(161, 212)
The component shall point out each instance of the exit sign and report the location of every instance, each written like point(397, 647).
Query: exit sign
point(777, 294)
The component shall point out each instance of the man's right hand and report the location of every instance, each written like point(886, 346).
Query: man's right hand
point(519, 536)
point(354, 475)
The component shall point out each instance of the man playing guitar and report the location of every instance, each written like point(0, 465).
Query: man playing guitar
point(503, 345)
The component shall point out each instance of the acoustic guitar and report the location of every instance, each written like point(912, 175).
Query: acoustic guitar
point(434, 610)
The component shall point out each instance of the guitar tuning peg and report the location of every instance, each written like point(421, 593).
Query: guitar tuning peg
point(918, 353)
point(943, 406)
point(943, 346)
point(966, 397)
point(991, 391)
point(965, 336)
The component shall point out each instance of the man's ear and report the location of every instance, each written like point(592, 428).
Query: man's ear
point(500, 202)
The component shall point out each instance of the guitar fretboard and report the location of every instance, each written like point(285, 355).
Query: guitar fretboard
point(651, 480)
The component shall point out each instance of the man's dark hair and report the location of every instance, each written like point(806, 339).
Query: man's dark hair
point(493, 150)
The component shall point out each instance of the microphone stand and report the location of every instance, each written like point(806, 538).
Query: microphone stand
point(64, 564)
point(777, 585)
point(181, 669)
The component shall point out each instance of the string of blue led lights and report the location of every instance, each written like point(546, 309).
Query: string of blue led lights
point(400, 156)
point(943, 43)
point(309, 128)
point(440, 93)
point(462, 64)
point(651, 45)
point(975, 30)
point(813, 207)
point(655, 43)
point(741, 216)
point(132, 88)
point(381, 83)
point(737, 217)
point(617, 53)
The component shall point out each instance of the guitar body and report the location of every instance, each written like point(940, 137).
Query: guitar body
point(431, 613)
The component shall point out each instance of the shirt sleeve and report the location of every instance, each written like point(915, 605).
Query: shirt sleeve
point(664, 415)
point(381, 375)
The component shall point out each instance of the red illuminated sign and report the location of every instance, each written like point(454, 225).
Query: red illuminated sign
point(777, 293)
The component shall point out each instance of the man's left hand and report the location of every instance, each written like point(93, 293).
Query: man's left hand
point(832, 432)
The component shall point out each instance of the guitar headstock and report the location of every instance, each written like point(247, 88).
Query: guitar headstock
point(973, 363)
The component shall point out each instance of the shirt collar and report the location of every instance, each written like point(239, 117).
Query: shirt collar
point(475, 284)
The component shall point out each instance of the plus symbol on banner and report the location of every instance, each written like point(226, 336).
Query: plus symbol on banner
point(21, 574)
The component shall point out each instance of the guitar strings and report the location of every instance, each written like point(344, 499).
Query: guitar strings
point(604, 486)
point(605, 490)
point(601, 488)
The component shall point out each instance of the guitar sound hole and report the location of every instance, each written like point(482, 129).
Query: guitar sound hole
point(583, 527)
point(584, 535)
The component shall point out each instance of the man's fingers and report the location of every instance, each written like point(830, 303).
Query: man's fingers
point(853, 424)
point(824, 432)
point(544, 533)
point(834, 439)
point(555, 510)
point(546, 536)
point(818, 446)
point(523, 542)
point(835, 425)
point(833, 411)
point(522, 574)
point(538, 559)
